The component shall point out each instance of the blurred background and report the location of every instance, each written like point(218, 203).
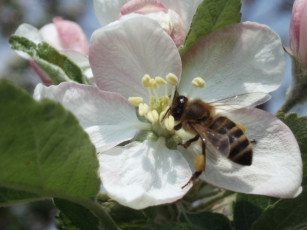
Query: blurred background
point(40, 215)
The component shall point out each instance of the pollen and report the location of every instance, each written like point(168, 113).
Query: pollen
point(200, 162)
point(135, 100)
point(198, 82)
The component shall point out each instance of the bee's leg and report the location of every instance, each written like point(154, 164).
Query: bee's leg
point(200, 164)
point(178, 126)
point(189, 142)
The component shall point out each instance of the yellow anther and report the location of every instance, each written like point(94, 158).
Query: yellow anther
point(165, 101)
point(200, 162)
point(242, 127)
point(172, 79)
point(143, 109)
point(135, 100)
point(160, 81)
point(153, 116)
point(199, 82)
point(146, 81)
point(154, 84)
point(169, 123)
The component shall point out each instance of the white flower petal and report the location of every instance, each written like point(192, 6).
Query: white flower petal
point(108, 118)
point(276, 168)
point(122, 52)
point(139, 175)
point(50, 35)
point(108, 10)
point(186, 9)
point(240, 58)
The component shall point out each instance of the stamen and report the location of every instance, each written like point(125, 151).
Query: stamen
point(160, 81)
point(153, 116)
point(146, 81)
point(199, 82)
point(169, 123)
point(143, 109)
point(135, 100)
point(172, 79)
point(153, 84)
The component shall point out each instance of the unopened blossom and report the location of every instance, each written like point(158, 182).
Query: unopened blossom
point(173, 16)
point(137, 69)
point(298, 32)
point(64, 35)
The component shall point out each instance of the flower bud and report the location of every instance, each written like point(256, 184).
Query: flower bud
point(298, 32)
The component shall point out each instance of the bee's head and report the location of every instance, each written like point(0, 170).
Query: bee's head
point(178, 106)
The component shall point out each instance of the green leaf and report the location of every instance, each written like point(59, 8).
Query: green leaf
point(298, 125)
point(127, 218)
point(180, 226)
point(74, 216)
point(248, 208)
point(43, 149)
point(285, 214)
point(209, 220)
point(45, 152)
point(210, 16)
point(10, 196)
point(58, 66)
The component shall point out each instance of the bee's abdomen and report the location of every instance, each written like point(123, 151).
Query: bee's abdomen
point(241, 150)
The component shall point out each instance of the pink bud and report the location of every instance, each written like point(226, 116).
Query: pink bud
point(298, 31)
point(65, 35)
point(170, 21)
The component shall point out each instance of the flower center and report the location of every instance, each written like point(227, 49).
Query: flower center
point(155, 110)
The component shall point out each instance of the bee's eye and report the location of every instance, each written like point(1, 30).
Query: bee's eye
point(177, 112)
point(182, 100)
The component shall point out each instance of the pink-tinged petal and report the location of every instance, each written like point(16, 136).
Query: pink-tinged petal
point(107, 11)
point(122, 52)
point(179, 28)
point(71, 35)
point(295, 24)
point(139, 175)
point(302, 52)
point(186, 9)
point(142, 7)
point(240, 58)
point(276, 168)
point(108, 118)
point(41, 73)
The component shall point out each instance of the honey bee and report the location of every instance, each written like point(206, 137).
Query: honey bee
point(218, 133)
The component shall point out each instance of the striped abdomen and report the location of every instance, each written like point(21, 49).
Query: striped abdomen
point(241, 150)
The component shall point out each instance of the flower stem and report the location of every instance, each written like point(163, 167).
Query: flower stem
point(296, 93)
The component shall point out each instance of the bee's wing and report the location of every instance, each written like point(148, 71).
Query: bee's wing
point(241, 101)
point(216, 143)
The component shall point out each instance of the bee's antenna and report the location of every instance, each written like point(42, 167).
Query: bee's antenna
point(166, 114)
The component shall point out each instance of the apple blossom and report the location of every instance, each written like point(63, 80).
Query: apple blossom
point(174, 17)
point(64, 35)
point(298, 31)
point(137, 65)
